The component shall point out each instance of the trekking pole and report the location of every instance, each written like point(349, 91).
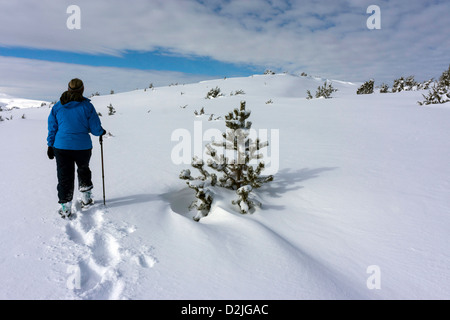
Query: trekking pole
point(103, 169)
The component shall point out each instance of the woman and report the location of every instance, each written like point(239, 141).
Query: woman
point(69, 124)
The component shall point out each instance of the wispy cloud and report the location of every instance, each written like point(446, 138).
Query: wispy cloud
point(328, 38)
point(34, 79)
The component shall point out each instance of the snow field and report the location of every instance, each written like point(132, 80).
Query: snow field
point(362, 181)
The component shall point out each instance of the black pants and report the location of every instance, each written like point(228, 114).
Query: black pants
point(65, 166)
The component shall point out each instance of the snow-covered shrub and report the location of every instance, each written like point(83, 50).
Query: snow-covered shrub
point(237, 169)
point(426, 84)
point(213, 93)
point(444, 79)
point(324, 91)
point(244, 200)
point(111, 110)
point(398, 85)
point(402, 84)
point(366, 88)
point(235, 93)
point(437, 94)
point(202, 186)
point(440, 92)
point(384, 88)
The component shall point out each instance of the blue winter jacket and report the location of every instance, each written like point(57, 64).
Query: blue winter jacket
point(69, 125)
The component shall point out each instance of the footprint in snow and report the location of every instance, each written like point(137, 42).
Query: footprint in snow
point(105, 250)
point(144, 258)
point(97, 274)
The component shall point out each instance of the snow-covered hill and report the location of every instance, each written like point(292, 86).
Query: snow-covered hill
point(359, 208)
point(7, 103)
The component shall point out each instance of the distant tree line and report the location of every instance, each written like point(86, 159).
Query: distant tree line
point(439, 91)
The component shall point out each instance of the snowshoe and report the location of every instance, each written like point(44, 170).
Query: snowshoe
point(66, 210)
point(87, 205)
point(86, 199)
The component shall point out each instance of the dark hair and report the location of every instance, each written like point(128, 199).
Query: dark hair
point(76, 85)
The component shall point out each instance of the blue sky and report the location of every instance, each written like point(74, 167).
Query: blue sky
point(154, 60)
point(123, 45)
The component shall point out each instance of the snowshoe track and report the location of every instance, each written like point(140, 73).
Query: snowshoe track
point(99, 261)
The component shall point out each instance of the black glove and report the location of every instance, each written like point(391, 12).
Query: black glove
point(101, 136)
point(50, 153)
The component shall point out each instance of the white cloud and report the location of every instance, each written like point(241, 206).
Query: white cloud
point(328, 38)
point(43, 80)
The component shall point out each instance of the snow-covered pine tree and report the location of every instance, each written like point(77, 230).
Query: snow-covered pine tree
point(235, 163)
point(111, 110)
point(384, 88)
point(238, 171)
point(411, 84)
point(202, 186)
point(444, 79)
point(440, 92)
point(426, 85)
point(325, 91)
point(213, 93)
point(366, 88)
point(402, 84)
point(398, 85)
point(437, 94)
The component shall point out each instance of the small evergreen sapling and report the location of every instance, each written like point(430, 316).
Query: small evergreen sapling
point(202, 186)
point(405, 84)
point(437, 94)
point(214, 93)
point(111, 110)
point(444, 79)
point(324, 91)
point(384, 88)
point(237, 169)
point(440, 92)
point(398, 85)
point(366, 88)
point(426, 85)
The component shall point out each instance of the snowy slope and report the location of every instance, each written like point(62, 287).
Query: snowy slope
point(362, 183)
point(7, 103)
